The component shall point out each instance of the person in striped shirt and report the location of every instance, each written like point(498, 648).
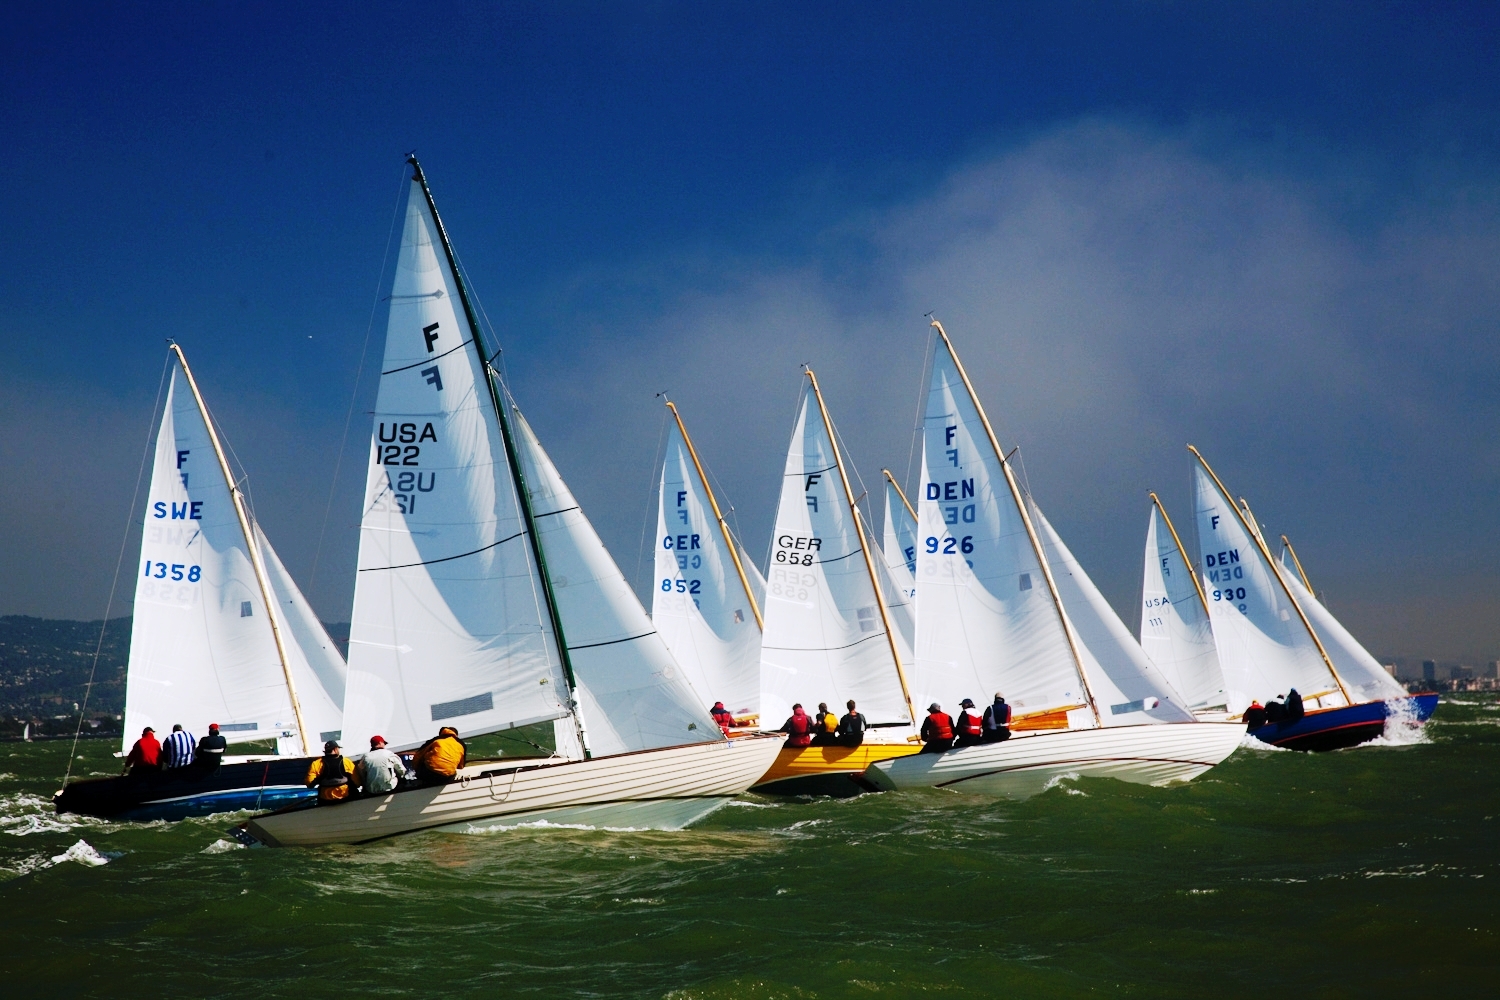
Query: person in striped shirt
point(178, 749)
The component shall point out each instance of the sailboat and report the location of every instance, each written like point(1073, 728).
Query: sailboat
point(899, 546)
point(485, 601)
point(1003, 606)
point(1175, 629)
point(829, 631)
point(707, 594)
point(1273, 635)
point(220, 634)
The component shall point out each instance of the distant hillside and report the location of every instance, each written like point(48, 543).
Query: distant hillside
point(44, 666)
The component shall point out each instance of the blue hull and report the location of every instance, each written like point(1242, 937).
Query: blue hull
point(1337, 728)
point(189, 791)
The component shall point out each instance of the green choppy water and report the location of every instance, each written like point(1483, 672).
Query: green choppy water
point(1368, 872)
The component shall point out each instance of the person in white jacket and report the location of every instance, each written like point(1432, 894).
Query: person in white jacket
point(380, 771)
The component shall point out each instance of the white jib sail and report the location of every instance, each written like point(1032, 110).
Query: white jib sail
point(1362, 674)
point(899, 548)
point(318, 671)
point(1127, 687)
point(985, 620)
point(631, 692)
point(824, 640)
point(201, 647)
point(450, 625)
point(1264, 649)
point(698, 604)
point(1175, 630)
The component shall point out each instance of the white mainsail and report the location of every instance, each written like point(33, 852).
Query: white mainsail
point(1263, 648)
point(825, 639)
point(631, 692)
point(1361, 673)
point(201, 646)
point(698, 604)
point(1175, 630)
point(450, 623)
point(985, 619)
point(1127, 687)
point(899, 547)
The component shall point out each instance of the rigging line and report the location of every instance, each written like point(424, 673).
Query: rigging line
point(814, 472)
point(109, 604)
point(612, 642)
point(919, 422)
point(428, 361)
point(359, 372)
point(461, 555)
point(640, 552)
point(829, 562)
point(830, 649)
point(550, 513)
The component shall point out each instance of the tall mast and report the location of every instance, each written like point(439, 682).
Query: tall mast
point(1298, 563)
point(1266, 554)
point(734, 551)
point(1036, 544)
point(523, 495)
point(864, 547)
point(1197, 585)
point(900, 493)
point(256, 563)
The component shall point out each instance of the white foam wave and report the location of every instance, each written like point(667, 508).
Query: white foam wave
point(221, 846)
point(1403, 727)
point(84, 853)
point(753, 805)
point(1248, 742)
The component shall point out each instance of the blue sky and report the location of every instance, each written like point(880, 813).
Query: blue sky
point(1268, 229)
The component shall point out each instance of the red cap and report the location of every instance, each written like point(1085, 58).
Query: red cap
point(374, 740)
point(213, 726)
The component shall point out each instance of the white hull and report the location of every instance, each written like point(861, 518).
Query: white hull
point(652, 789)
point(1028, 763)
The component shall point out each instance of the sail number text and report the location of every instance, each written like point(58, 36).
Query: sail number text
point(950, 545)
point(796, 550)
point(1223, 567)
point(176, 571)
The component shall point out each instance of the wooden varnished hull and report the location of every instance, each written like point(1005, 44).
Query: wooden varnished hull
point(828, 770)
point(658, 789)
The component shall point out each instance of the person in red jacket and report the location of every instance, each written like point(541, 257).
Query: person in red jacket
point(937, 730)
point(799, 728)
point(145, 755)
point(968, 727)
point(722, 716)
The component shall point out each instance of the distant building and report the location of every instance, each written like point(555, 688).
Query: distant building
point(1462, 673)
point(1429, 670)
point(1492, 668)
point(1390, 668)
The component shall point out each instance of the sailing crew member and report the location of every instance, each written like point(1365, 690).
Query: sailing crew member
point(333, 775)
point(179, 748)
point(722, 716)
point(1275, 710)
point(825, 724)
point(851, 731)
point(145, 755)
point(438, 760)
point(968, 727)
point(210, 753)
point(381, 770)
point(1255, 715)
point(997, 720)
point(937, 730)
point(798, 727)
point(1293, 707)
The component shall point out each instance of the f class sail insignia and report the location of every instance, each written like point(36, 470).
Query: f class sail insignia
point(1003, 607)
point(485, 601)
point(220, 635)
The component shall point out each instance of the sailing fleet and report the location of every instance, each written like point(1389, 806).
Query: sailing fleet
point(484, 600)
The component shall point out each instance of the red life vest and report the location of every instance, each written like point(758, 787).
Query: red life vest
point(799, 727)
point(969, 725)
point(943, 723)
point(723, 717)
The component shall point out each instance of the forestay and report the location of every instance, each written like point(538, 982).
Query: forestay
point(985, 619)
point(631, 693)
point(1175, 630)
point(824, 639)
point(899, 545)
point(1264, 649)
point(201, 646)
point(698, 604)
point(1127, 687)
point(1362, 674)
point(450, 625)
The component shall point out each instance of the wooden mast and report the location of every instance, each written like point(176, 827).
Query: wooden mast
point(513, 458)
point(1197, 584)
point(864, 547)
point(1266, 554)
point(1298, 563)
point(1036, 544)
point(734, 551)
point(900, 493)
point(267, 596)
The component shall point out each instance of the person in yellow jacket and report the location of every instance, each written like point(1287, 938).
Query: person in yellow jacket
point(438, 760)
point(332, 774)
